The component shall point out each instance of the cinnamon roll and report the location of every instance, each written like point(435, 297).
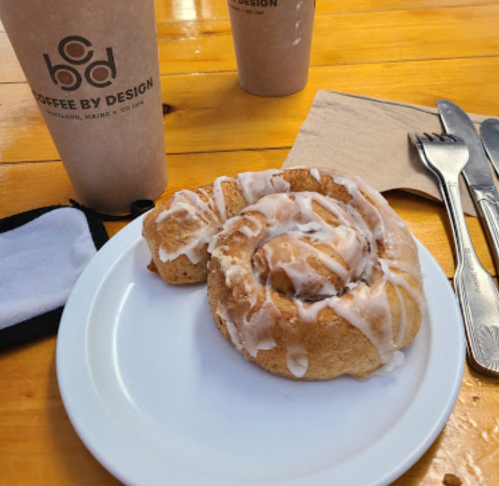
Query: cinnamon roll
point(310, 273)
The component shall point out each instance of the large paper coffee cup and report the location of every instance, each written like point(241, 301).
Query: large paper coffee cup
point(93, 68)
point(272, 40)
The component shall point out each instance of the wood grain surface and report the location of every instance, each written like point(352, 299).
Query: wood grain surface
point(431, 33)
point(409, 50)
point(223, 117)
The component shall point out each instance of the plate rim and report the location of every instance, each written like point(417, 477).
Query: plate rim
point(72, 397)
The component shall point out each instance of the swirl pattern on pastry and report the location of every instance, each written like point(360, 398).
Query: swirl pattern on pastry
point(311, 275)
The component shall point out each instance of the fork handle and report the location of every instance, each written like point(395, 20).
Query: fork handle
point(475, 288)
point(487, 200)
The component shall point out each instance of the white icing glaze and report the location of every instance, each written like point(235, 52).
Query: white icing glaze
point(191, 207)
point(219, 198)
point(233, 332)
point(358, 311)
point(225, 227)
point(403, 317)
point(396, 361)
point(256, 331)
point(255, 185)
point(309, 227)
point(302, 276)
point(209, 201)
point(297, 360)
point(290, 213)
point(252, 229)
point(247, 231)
point(360, 228)
point(345, 247)
point(315, 174)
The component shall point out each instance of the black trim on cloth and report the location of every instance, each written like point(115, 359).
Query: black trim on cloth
point(12, 222)
point(47, 323)
point(96, 227)
point(34, 328)
point(137, 208)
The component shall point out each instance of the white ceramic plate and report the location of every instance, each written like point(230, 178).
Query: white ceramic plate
point(160, 397)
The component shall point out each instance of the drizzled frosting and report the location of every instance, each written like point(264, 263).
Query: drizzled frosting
point(324, 264)
point(208, 212)
point(322, 254)
point(339, 249)
point(199, 213)
point(256, 185)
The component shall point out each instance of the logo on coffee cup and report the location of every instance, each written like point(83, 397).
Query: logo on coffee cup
point(78, 52)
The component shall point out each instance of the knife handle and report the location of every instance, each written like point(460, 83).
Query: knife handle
point(488, 205)
point(476, 290)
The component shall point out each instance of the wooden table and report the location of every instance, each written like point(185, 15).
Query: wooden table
point(410, 50)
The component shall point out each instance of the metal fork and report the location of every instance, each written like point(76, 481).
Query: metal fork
point(446, 156)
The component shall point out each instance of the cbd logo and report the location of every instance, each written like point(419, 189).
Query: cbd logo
point(78, 51)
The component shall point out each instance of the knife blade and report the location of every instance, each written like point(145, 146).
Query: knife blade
point(477, 173)
point(457, 122)
point(490, 138)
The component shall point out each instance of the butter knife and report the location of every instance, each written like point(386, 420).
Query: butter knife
point(490, 138)
point(477, 172)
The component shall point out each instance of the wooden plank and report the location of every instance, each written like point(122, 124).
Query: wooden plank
point(38, 445)
point(32, 185)
point(191, 10)
point(345, 39)
point(206, 46)
point(211, 112)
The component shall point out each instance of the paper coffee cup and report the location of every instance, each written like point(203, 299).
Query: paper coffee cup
point(93, 68)
point(272, 40)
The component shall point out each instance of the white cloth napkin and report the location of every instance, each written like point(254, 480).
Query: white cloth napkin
point(40, 261)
